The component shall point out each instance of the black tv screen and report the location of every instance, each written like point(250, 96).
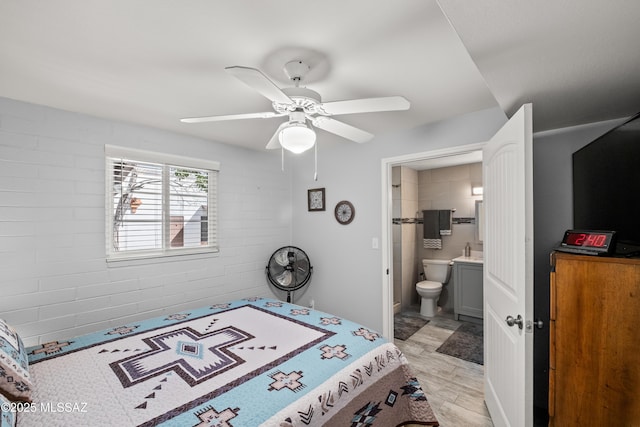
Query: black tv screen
point(606, 185)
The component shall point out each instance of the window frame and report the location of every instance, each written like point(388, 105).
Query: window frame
point(113, 153)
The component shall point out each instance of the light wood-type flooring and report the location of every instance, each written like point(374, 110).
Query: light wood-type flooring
point(454, 387)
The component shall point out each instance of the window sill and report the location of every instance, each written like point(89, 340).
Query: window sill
point(156, 258)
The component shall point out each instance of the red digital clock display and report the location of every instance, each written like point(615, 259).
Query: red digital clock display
point(591, 240)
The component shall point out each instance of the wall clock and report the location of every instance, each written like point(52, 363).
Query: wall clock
point(344, 212)
point(315, 199)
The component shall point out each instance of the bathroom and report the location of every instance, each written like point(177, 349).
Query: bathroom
point(417, 187)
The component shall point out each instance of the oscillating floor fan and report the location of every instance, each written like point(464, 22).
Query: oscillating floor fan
point(289, 269)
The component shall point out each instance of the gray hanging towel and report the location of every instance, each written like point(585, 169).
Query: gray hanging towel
point(431, 223)
point(444, 226)
point(431, 229)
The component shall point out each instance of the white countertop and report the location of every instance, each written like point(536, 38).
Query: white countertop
point(475, 258)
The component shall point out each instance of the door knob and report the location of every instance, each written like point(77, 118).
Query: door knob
point(515, 321)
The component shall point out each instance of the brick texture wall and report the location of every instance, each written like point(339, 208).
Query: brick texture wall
point(54, 280)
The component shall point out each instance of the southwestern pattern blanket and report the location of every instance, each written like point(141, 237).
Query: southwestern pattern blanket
point(245, 363)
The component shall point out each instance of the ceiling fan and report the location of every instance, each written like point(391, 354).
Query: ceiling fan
point(304, 109)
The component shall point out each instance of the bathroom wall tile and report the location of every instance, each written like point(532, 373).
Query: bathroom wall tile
point(409, 175)
point(424, 177)
point(453, 173)
point(436, 190)
point(460, 189)
point(395, 175)
point(475, 173)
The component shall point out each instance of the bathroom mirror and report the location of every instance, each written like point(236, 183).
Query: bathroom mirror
point(479, 222)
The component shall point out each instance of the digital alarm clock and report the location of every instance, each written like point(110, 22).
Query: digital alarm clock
point(588, 242)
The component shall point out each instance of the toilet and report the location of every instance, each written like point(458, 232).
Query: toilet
point(437, 273)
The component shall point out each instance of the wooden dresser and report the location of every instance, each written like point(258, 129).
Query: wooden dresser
point(594, 375)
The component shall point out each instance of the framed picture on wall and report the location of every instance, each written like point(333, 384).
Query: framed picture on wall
point(315, 199)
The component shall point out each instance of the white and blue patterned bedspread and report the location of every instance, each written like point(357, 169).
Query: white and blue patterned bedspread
point(246, 363)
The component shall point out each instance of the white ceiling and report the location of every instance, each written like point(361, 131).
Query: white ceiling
point(577, 61)
point(155, 61)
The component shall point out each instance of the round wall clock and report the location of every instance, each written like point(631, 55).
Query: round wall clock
point(344, 212)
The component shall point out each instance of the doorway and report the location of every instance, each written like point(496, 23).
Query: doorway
point(508, 266)
point(422, 192)
point(423, 347)
point(427, 160)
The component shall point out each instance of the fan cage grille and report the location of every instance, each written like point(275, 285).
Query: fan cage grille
point(292, 262)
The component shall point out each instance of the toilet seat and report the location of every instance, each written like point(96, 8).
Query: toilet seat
point(429, 285)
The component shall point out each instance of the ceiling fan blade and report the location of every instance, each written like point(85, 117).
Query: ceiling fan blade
point(342, 129)
point(365, 105)
point(258, 81)
point(264, 115)
point(274, 142)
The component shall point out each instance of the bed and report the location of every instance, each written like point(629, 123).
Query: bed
point(248, 363)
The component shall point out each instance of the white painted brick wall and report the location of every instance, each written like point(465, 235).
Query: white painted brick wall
point(54, 280)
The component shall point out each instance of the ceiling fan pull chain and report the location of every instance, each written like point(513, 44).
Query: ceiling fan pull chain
point(282, 158)
point(315, 175)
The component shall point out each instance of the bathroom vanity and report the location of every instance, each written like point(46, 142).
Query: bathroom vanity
point(467, 286)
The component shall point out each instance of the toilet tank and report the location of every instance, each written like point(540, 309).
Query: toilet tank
point(437, 270)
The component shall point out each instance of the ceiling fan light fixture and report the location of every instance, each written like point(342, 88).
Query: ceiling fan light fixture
point(297, 137)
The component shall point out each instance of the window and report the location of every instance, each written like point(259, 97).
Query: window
point(159, 205)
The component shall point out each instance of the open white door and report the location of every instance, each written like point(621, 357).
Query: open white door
point(508, 272)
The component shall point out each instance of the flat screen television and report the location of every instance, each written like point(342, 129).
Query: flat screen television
point(606, 185)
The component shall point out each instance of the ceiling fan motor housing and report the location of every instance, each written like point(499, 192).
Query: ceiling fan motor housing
point(303, 99)
point(297, 116)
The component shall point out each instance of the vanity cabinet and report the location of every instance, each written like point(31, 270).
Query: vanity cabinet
point(594, 361)
point(467, 288)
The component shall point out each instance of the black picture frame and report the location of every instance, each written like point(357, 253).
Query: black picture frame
point(316, 200)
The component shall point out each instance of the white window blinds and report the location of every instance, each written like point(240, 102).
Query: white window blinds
point(159, 204)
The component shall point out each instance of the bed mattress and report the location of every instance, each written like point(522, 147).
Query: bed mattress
point(245, 363)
